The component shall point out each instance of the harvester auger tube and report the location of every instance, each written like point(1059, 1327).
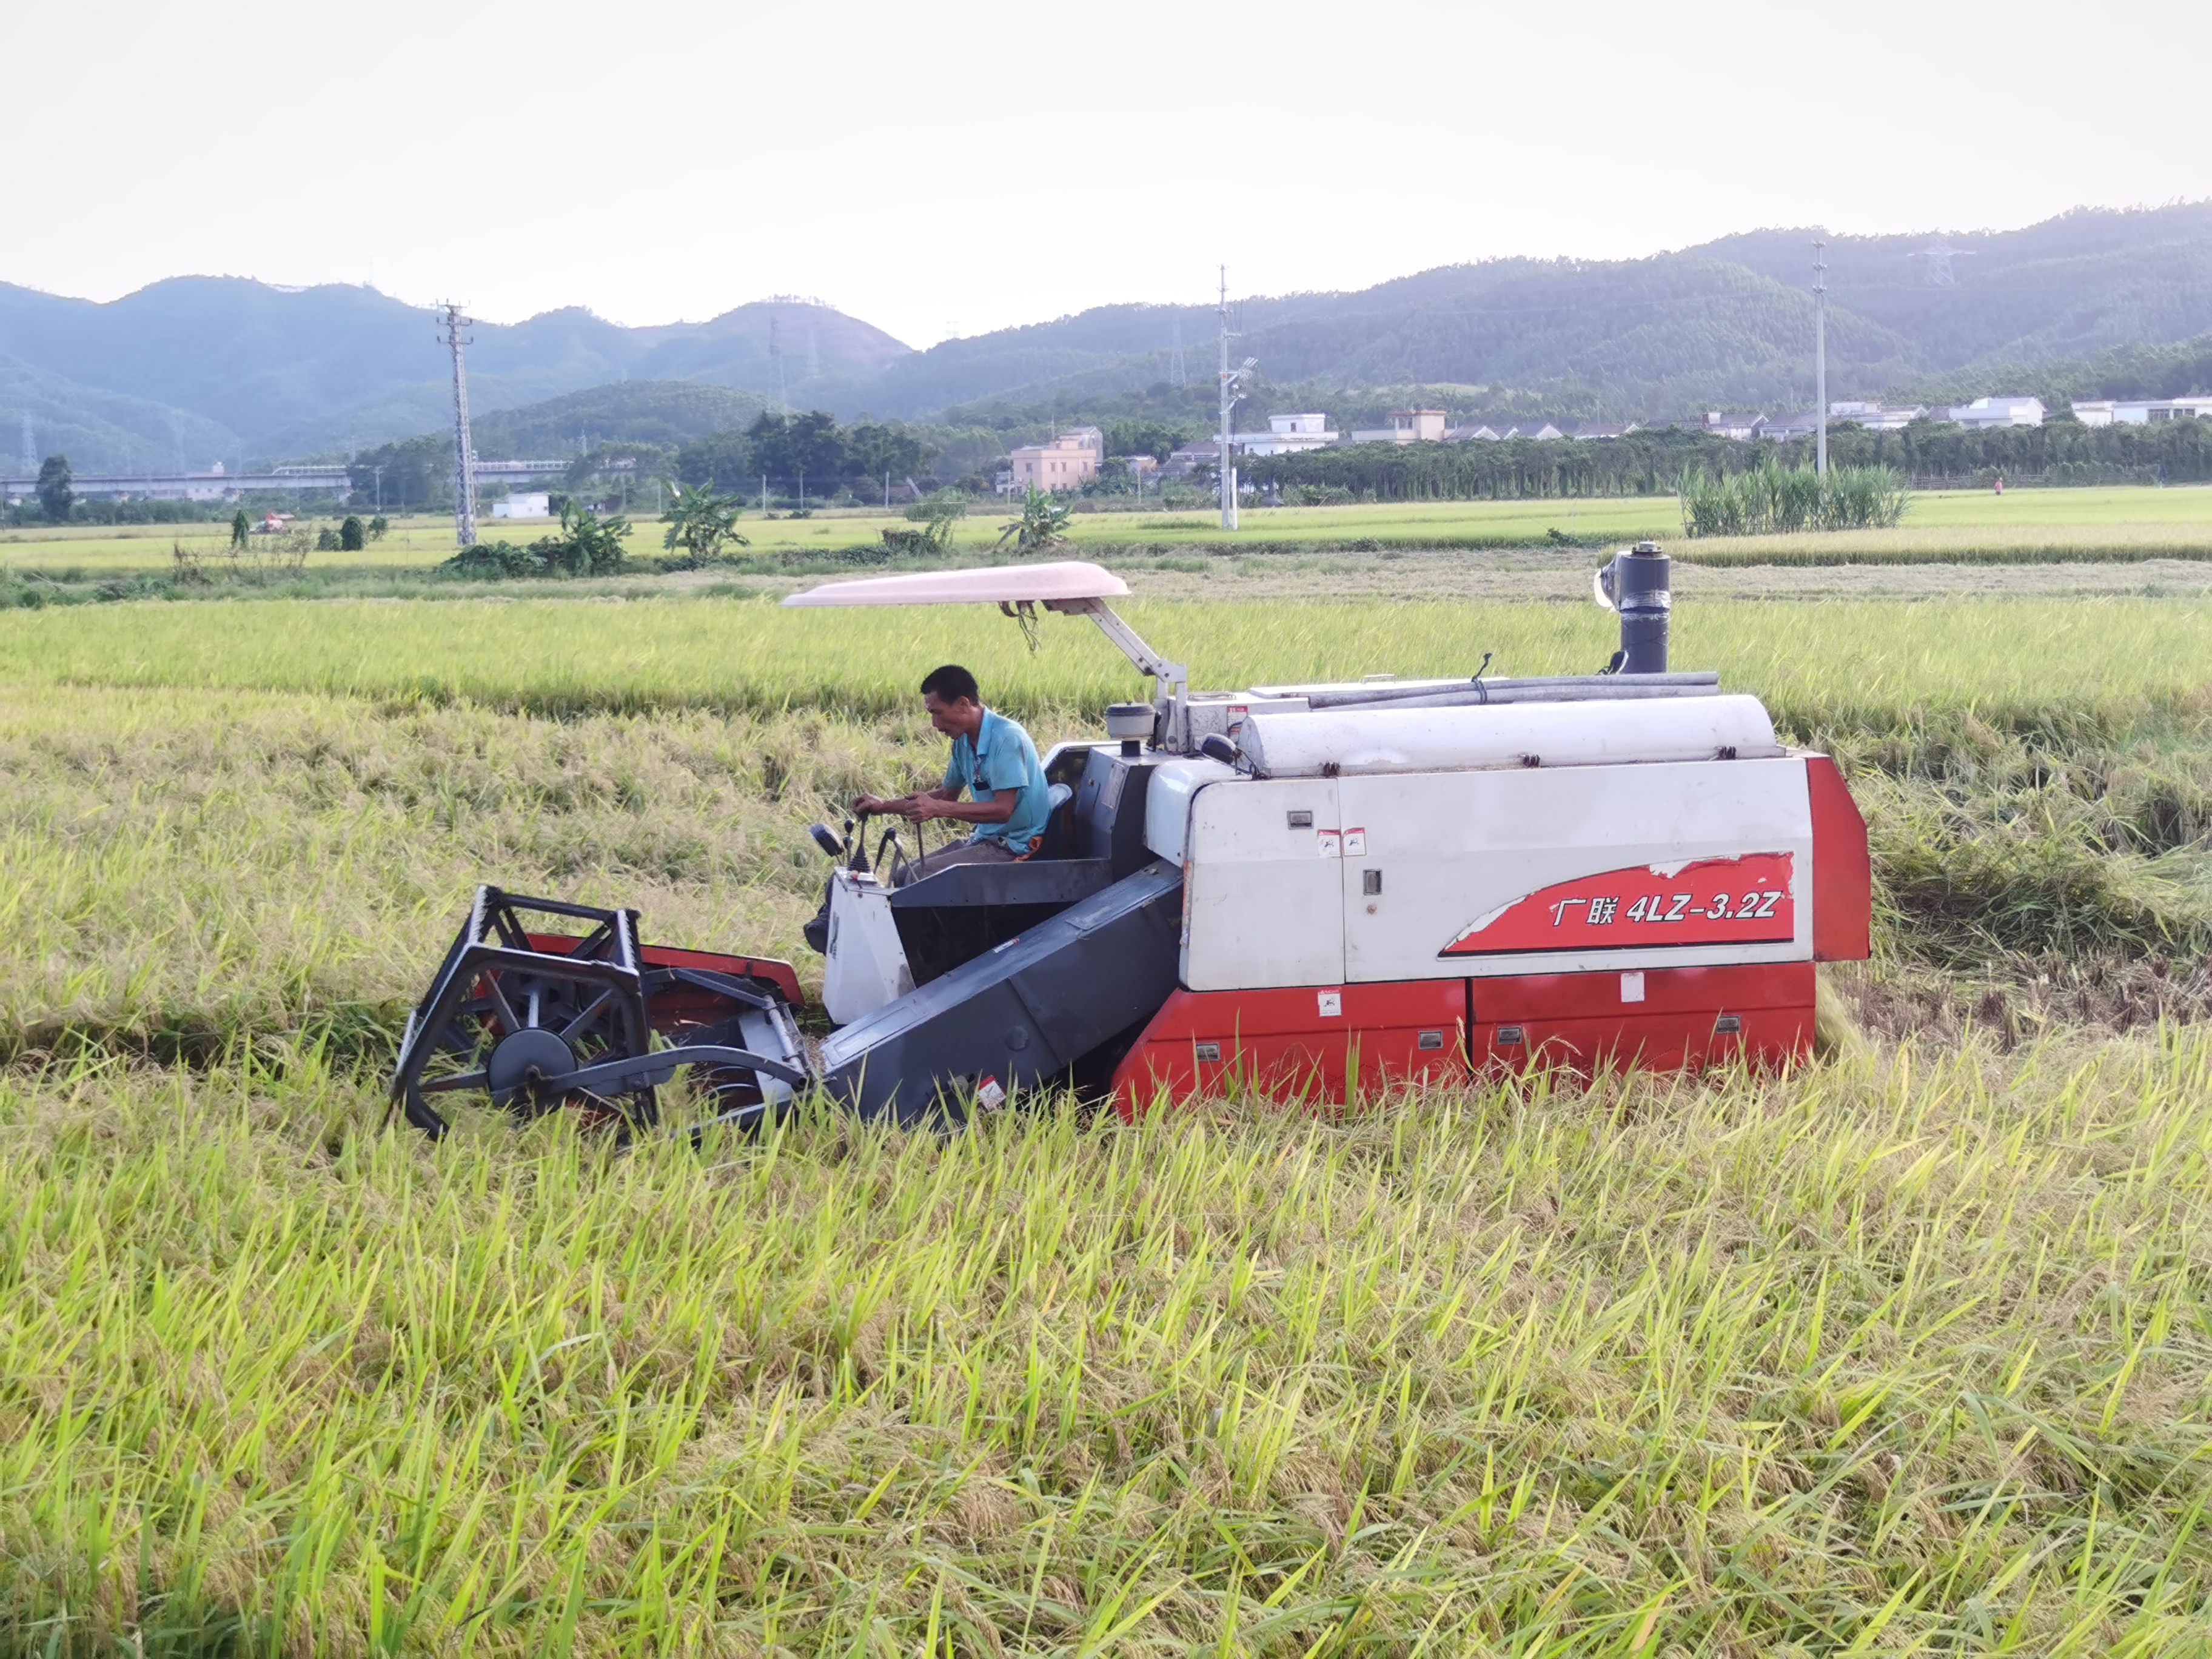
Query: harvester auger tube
point(534, 1020)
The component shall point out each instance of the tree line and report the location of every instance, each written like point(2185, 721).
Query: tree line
point(809, 452)
point(1654, 462)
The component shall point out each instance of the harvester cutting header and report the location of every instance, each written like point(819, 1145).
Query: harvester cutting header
point(1304, 891)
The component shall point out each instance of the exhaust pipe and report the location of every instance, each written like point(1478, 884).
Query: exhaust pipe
point(1635, 584)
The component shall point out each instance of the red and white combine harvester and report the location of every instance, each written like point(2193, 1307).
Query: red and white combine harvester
point(1301, 890)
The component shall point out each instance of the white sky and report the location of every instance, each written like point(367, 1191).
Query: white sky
point(680, 157)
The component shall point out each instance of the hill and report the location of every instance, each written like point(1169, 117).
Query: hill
point(249, 371)
point(258, 371)
point(1729, 323)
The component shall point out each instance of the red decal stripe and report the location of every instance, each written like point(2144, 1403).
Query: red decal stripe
point(1735, 901)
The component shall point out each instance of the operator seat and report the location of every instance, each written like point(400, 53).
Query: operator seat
point(1059, 822)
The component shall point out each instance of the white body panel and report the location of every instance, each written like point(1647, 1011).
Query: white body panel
point(1395, 871)
point(866, 965)
point(1593, 734)
point(1166, 802)
point(1263, 894)
point(1453, 848)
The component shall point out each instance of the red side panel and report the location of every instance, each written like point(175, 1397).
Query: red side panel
point(778, 974)
point(1285, 1045)
point(1288, 1045)
point(1842, 875)
point(1663, 1019)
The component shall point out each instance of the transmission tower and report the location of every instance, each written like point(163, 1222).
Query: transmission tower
point(1939, 254)
point(30, 448)
point(464, 455)
point(775, 356)
point(813, 353)
point(1178, 373)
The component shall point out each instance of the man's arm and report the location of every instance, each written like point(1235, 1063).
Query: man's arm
point(874, 805)
point(939, 804)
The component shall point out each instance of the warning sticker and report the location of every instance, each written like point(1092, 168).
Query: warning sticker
point(1708, 902)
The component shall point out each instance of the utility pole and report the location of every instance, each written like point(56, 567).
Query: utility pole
point(1820, 358)
point(1229, 395)
point(465, 457)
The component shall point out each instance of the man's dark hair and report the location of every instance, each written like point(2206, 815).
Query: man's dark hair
point(951, 683)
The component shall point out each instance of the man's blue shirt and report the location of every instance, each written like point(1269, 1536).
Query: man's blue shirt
point(1001, 757)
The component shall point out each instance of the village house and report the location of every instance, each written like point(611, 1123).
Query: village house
point(1408, 426)
point(1289, 435)
point(1999, 412)
point(1063, 463)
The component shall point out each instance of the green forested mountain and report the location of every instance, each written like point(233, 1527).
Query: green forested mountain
point(1729, 325)
point(223, 368)
point(256, 372)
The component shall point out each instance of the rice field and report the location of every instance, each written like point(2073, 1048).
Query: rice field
point(1908, 1352)
point(2084, 523)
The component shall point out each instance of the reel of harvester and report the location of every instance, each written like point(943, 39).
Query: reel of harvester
point(536, 1021)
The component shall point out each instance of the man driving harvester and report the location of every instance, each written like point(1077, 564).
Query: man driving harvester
point(994, 761)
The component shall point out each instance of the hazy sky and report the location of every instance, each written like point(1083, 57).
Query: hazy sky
point(956, 167)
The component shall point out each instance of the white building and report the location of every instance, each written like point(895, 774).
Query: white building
point(1289, 435)
point(538, 504)
point(1742, 428)
point(1878, 418)
point(2145, 412)
point(1999, 412)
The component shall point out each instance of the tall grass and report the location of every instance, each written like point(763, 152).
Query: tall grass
point(1912, 1357)
point(1771, 499)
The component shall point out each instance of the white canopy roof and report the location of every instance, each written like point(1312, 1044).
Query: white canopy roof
point(1000, 584)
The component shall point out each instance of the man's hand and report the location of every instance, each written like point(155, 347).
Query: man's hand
point(918, 809)
point(869, 806)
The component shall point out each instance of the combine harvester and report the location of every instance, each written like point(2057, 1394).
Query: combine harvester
point(1303, 891)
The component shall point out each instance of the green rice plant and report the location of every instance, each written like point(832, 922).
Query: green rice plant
point(1772, 500)
point(1822, 665)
